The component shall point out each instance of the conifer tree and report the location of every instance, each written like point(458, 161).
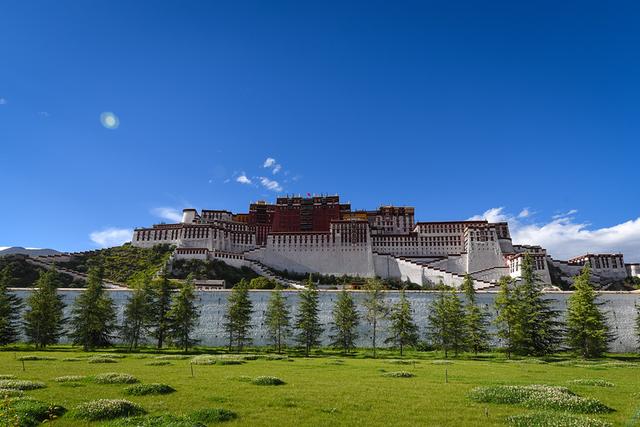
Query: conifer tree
point(184, 316)
point(538, 331)
point(44, 316)
point(403, 331)
point(345, 322)
point(93, 317)
point(375, 307)
point(446, 327)
point(238, 316)
point(587, 331)
point(277, 319)
point(476, 321)
point(135, 324)
point(506, 320)
point(10, 306)
point(160, 294)
point(638, 324)
point(307, 320)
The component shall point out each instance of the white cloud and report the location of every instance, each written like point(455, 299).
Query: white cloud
point(44, 114)
point(111, 237)
point(276, 169)
point(109, 120)
point(524, 213)
point(564, 237)
point(171, 214)
point(242, 179)
point(269, 162)
point(270, 184)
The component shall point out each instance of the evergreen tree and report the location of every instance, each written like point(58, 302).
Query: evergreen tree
point(345, 322)
point(307, 320)
point(446, 327)
point(184, 315)
point(375, 308)
point(10, 306)
point(277, 319)
point(93, 317)
point(135, 325)
point(44, 315)
point(506, 305)
point(638, 324)
point(538, 331)
point(238, 316)
point(160, 294)
point(587, 330)
point(403, 331)
point(476, 321)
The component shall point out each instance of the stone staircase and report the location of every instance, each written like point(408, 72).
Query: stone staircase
point(265, 271)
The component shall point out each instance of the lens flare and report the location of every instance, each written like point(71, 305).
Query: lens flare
point(109, 120)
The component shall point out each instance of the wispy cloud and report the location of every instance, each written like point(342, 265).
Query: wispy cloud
point(3, 101)
point(525, 213)
point(242, 179)
point(170, 214)
point(44, 114)
point(270, 162)
point(564, 237)
point(270, 184)
point(111, 237)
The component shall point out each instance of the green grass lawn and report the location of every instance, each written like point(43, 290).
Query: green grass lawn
point(322, 390)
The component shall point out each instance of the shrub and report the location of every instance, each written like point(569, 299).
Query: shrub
point(97, 359)
point(7, 377)
point(10, 392)
point(114, 378)
point(158, 363)
point(596, 382)
point(72, 359)
point(106, 409)
point(33, 357)
point(110, 355)
point(21, 384)
point(546, 419)
point(267, 380)
point(145, 389)
point(172, 357)
point(539, 397)
point(70, 378)
point(229, 362)
point(399, 374)
point(204, 360)
point(212, 415)
point(32, 412)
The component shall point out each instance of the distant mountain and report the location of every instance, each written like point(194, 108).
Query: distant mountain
point(14, 250)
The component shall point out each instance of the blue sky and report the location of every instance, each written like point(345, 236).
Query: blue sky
point(509, 110)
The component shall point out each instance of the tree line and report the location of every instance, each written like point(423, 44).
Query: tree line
point(525, 325)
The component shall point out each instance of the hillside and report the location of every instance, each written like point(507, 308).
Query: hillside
point(19, 273)
point(214, 269)
point(19, 250)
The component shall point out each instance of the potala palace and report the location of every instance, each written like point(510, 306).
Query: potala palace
point(320, 234)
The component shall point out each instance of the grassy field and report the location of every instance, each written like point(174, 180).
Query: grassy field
point(323, 390)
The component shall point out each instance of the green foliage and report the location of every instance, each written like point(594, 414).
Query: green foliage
point(476, 323)
point(587, 330)
point(30, 412)
point(184, 316)
point(399, 374)
point(212, 415)
point(21, 384)
point(375, 308)
point(539, 397)
point(238, 316)
point(278, 319)
point(146, 389)
point(137, 315)
point(267, 380)
point(198, 418)
point(113, 378)
point(10, 306)
point(262, 283)
point(10, 392)
point(122, 264)
point(345, 322)
point(506, 305)
point(158, 307)
point(213, 269)
point(19, 273)
point(44, 316)
point(31, 358)
point(106, 409)
point(70, 378)
point(637, 324)
point(100, 359)
point(445, 318)
point(158, 363)
point(307, 321)
point(554, 419)
point(596, 382)
point(403, 331)
point(93, 316)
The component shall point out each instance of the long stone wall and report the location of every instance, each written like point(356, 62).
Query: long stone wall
point(620, 309)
